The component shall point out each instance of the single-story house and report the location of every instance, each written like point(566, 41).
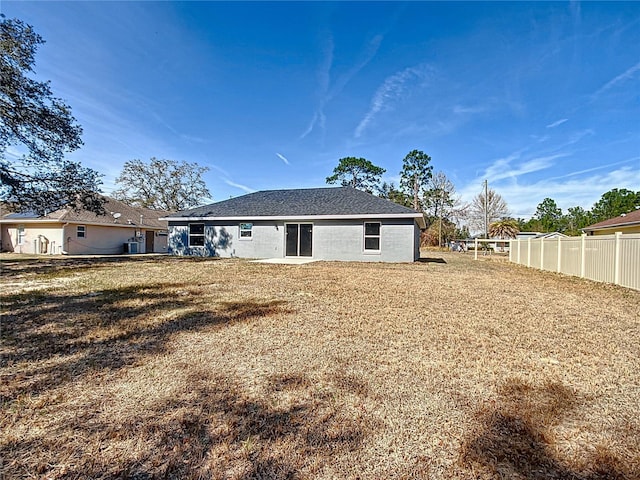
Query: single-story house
point(124, 229)
point(340, 223)
point(625, 223)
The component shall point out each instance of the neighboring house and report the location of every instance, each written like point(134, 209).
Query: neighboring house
point(320, 223)
point(536, 235)
point(124, 229)
point(625, 223)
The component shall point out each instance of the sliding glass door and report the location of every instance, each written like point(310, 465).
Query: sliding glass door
point(299, 239)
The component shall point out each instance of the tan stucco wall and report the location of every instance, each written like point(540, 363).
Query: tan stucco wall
point(98, 240)
point(47, 236)
point(612, 230)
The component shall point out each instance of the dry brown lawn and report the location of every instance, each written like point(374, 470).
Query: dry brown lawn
point(200, 368)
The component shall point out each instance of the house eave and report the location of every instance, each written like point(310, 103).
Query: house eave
point(418, 217)
point(41, 221)
point(609, 227)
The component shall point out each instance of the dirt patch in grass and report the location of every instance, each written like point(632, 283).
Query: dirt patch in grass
point(189, 368)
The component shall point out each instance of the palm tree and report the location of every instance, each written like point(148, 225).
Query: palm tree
point(504, 229)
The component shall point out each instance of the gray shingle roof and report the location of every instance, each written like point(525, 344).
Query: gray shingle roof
point(301, 202)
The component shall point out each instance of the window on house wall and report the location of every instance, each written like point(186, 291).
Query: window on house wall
point(81, 231)
point(21, 234)
point(246, 231)
point(196, 234)
point(372, 236)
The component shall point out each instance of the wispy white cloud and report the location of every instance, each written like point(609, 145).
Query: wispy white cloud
point(557, 123)
point(462, 110)
point(499, 171)
point(627, 75)
point(391, 89)
point(599, 167)
point(239, 185)
point(327, 91)
point(283, 158)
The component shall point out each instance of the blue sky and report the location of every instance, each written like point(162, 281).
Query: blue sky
point(541, 99)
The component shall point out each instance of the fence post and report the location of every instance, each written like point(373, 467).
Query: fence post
point(476, 250)
point(542, 253)
point(583, 241)
point(616, 261)
point(559, 255)
point(528, 252)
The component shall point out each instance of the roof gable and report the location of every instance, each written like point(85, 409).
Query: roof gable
point(342, 201)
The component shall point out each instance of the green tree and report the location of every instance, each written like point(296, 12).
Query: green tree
point(549, 215)
point(576, 219)
point(162, 184)
point(615, 202)
point(36, 130)
point(358, 173)
point(414, 175)
point(390, 192)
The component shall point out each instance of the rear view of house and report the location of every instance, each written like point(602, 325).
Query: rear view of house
point(124, 229)
point(319, 223)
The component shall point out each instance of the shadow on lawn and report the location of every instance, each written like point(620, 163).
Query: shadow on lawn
point(63, 337)
point(43, 265)
point(516, 439)
point(213, 429)
point(431, 260)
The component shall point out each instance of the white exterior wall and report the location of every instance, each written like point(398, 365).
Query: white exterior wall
point(332, 240)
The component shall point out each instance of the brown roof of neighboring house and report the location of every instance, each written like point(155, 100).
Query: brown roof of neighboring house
point(118, 213)
point(631, 218)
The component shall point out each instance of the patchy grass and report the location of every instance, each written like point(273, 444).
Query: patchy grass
point(199, 368)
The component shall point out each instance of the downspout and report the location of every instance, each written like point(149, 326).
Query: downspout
point(64, 252)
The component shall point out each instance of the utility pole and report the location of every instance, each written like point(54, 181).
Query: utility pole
point(486, 210)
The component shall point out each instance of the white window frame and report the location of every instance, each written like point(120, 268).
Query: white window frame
point(190, 235)
point(21, 234)
point(365, 236)
point(242, 230)
point(81, 229)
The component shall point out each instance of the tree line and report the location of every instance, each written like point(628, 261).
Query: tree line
point(550, 218)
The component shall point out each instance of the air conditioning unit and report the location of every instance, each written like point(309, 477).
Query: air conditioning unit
point(131, 247)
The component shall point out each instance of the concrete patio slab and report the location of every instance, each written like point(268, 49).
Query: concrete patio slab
point(285, 261)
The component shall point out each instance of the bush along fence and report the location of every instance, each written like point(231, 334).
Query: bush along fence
point(603, 258)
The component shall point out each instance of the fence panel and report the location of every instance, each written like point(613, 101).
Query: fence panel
point(603, 258)
point(571, 256)
point(536, 250)
point(600, 258)
point(630, 260)
point(550, 256)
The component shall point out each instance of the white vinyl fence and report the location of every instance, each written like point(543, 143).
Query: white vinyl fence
point(603, 258)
